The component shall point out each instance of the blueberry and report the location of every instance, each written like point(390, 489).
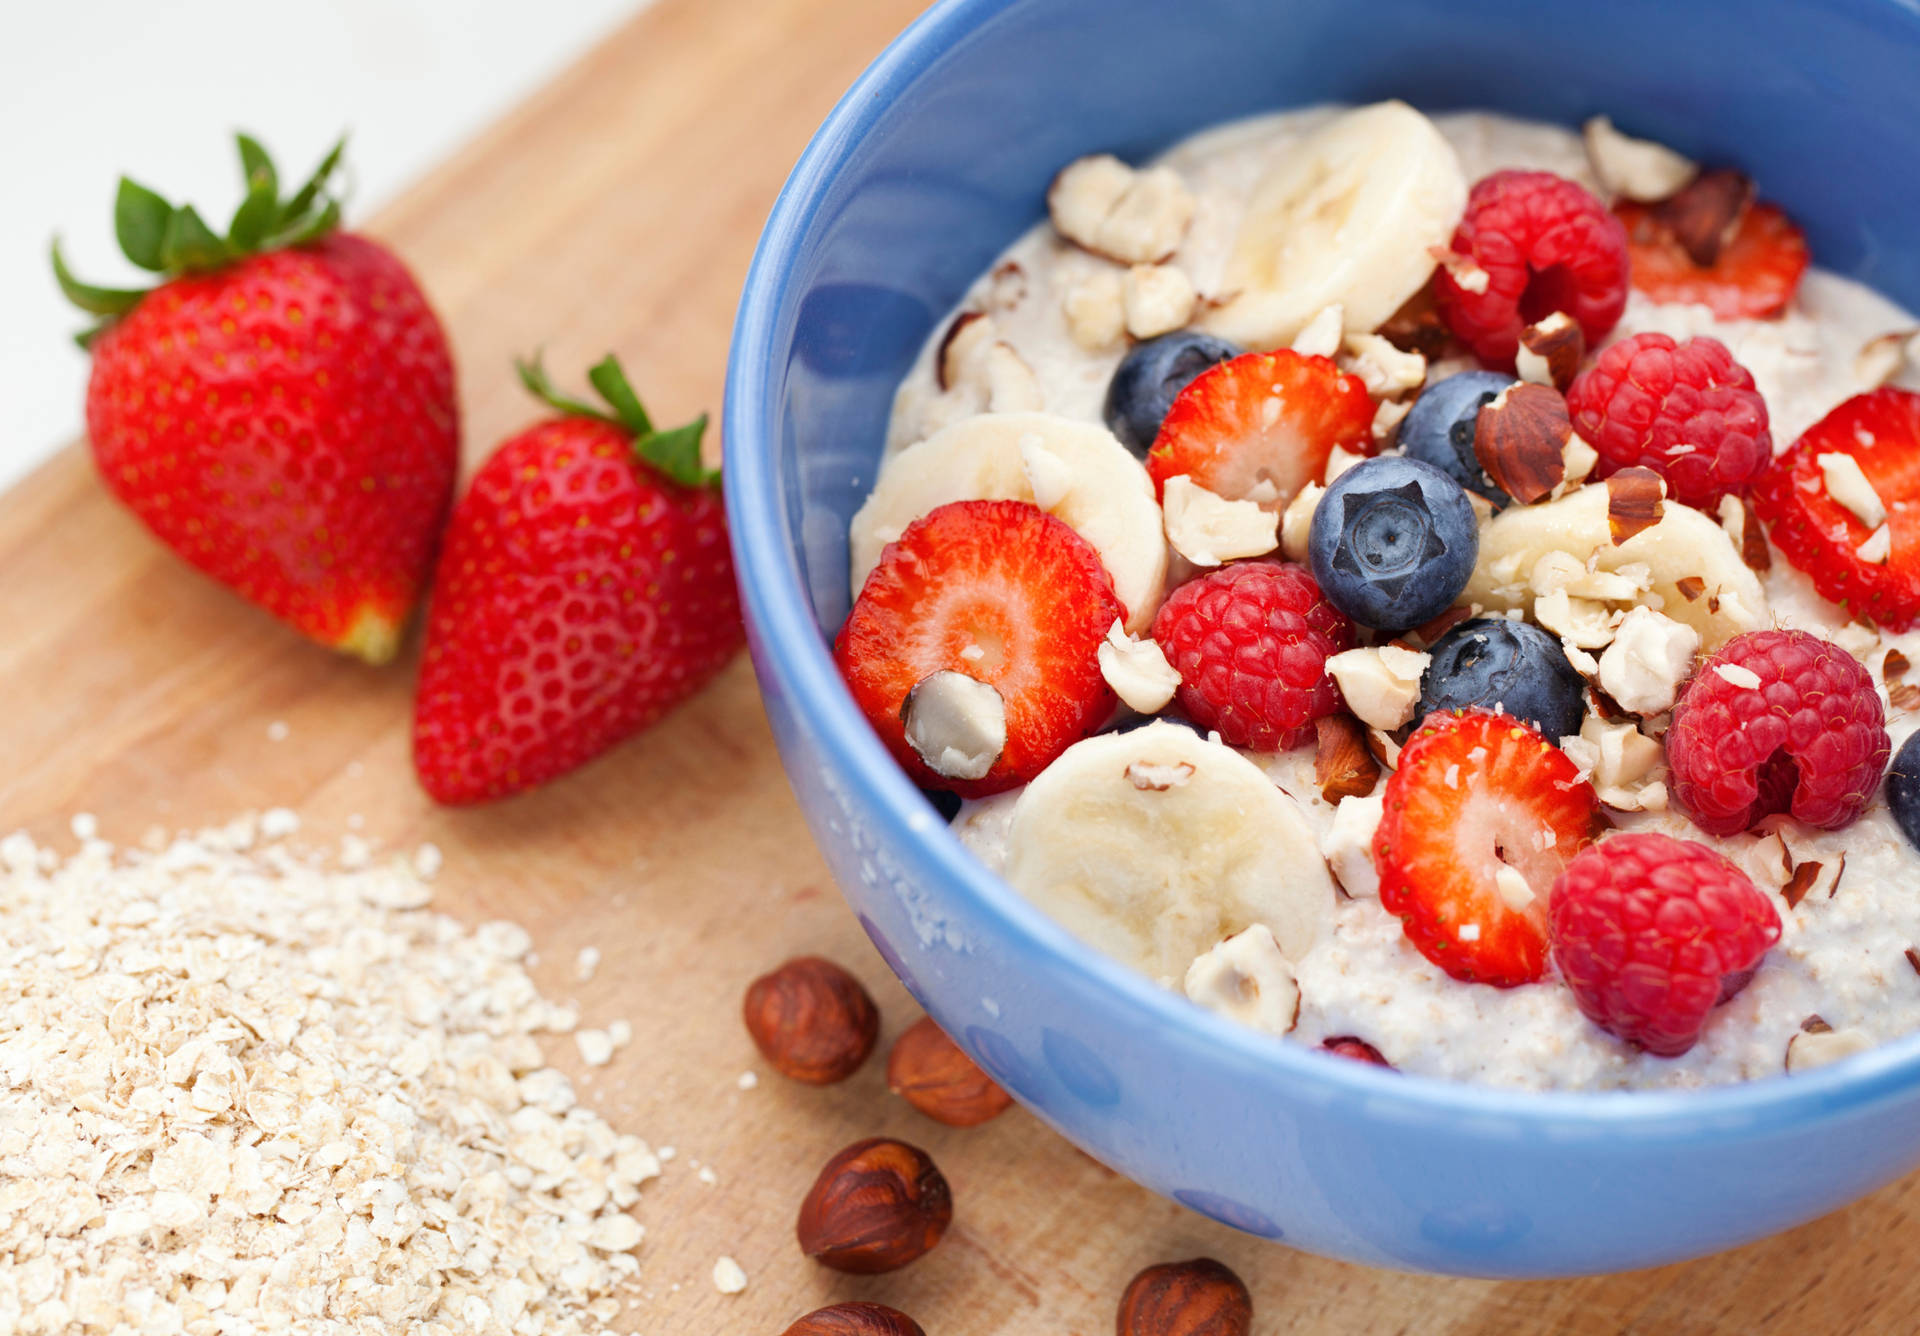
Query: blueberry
point(1903, 789)
point(1491, 663)
point(1150, 377)
point(1439, 429)
point(945, 803)
point(1393, 542)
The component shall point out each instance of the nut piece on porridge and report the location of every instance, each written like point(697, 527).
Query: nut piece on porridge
point(1651, 655)
point(1158, 299)
point(1296, 522)
point(1095, 309)
point(1380, 684)
point(1208, 529)
point(1348, 843)
point(1138, 671)
point(1817, 1044)
point(1322, 335)
point(1636, 168)
point(1885, 356)
point(1131, 217)
point(1551, 351)
point(1387, 371)
point(1247, 979)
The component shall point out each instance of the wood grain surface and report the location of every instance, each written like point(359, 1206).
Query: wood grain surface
point(617, 209)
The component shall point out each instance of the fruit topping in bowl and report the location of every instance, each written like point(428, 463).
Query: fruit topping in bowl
point(1448, 708)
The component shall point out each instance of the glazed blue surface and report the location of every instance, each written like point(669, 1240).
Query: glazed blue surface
point(929, 166)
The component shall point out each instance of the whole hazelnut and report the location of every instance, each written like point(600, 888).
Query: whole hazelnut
point(928, 1069)
point(856, 1319)
point(811, 1020)
point(1196, 1298)
point(877, 1205)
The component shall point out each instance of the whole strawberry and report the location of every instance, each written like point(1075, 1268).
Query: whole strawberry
point(280, 408)
point(585, 589)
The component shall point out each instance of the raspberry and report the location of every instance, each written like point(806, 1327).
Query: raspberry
point(1251, 643)
point(1810, 738)
point(1546, 245)
point(1650, 933)
point(1687, 411)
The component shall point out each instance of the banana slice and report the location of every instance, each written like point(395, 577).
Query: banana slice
point(1685, 545)
point(1348, 216)
point(1075, 471)
point(1155, 845)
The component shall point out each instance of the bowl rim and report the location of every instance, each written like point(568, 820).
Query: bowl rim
point(775, 601)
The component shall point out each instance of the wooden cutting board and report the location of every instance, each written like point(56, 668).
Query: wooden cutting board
point(617, 209)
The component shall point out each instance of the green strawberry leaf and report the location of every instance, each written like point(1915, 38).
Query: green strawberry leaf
point(676, 453)
point(172, 241)
point(257, 216)
point(533, 374)
point(304, 197)
point(607, 377)
point(256, 162)
point(94, 301)
point(301, 231)
point(190, 245)
point(140, 218)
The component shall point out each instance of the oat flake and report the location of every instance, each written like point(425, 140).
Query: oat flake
point(240, 1093)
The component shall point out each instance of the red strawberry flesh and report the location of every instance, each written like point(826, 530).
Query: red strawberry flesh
point(1262, 418)
point(288, 425)
point(1001, 592)
point(1753, 277)
point(1476, 792)
point(1881, 431)
point(581, 595)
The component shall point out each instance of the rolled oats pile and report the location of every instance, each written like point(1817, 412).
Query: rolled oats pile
point(240, 1093)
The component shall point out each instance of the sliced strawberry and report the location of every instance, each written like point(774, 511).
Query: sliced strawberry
point(999, 591)
point(1262, 417)
point(1478, 792)
point(1881, 430)
point(1753, 277)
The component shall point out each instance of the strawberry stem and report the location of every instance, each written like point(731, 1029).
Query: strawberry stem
point(675, 452)
point(171, 240)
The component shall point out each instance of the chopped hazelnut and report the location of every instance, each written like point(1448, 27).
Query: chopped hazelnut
point(1380, 684)
point(1321, 336)
point(1095, 309)
point(1138, 671)
point(1158, 299)
point(1207, 529)
point(1636, 168)
point(956, 724)
point(1248, 979)
point(1131, 217)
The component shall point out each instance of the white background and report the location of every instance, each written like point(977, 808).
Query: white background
point(154, 88)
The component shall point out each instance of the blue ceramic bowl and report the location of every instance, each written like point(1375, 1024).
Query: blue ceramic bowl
point(935, 160)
